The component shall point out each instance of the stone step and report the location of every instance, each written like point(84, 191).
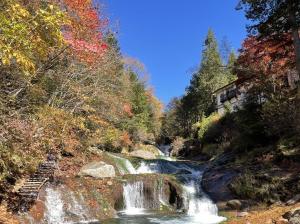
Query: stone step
point(29, 189)
point(33, 182)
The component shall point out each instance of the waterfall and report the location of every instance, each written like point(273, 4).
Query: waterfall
point(165, 149)
point(134, 197)
point(199, 207)
point(144, 168)
point(124, 165)
point(54, 204)
point(65, 207)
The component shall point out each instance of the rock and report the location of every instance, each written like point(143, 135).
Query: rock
point(291, 213)
point(287, 215)
point(149, 148)
point(293, 216)
point(143, 154)
point(234, 204)
point(216, 182)
point(95, 150)
point(97, 170)
point(293, 200)
point(183, 172)
point(109, 183)
point(282, 221)
point(66, 153)
point(294, 220)
point(242, 214)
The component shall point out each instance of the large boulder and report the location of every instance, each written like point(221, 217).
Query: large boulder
point(293, 216)
point(149, 148)
point(97, 170)
point(143, 154)
point(234, 204)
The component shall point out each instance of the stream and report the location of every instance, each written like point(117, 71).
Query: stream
point(138, 209)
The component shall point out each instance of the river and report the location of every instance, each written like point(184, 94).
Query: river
point(138, 209)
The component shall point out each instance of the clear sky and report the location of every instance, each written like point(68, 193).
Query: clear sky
point(167, 35)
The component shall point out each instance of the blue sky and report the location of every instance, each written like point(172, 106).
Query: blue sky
point(167, 35)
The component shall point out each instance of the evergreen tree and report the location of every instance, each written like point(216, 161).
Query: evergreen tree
point(225, 50)
point(211, 75)
point(230, 65)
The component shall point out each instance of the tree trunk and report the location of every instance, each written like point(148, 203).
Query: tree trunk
point(296, 40)
point(292, 19)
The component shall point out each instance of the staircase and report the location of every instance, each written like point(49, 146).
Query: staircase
point(29, 192)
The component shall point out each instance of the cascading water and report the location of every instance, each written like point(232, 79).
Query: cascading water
point(139, 204)
point(124, 165)
point(200, 209)
point(54, 204)
point(63, 207)
point(134, 197)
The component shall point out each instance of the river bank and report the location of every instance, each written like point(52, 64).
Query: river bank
point(258, 187)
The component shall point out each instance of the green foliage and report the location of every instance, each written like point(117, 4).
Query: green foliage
point(260, 187)
point(206, 123)
point(171, 120)
point(281, 115)
point(212, 74)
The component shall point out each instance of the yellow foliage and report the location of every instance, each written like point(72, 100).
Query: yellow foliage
point(28, 37)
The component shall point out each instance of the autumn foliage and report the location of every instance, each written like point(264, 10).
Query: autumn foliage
point(65, 86)
point(84, 32)
point(269, 55)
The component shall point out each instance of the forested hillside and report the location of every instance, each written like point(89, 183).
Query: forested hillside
point(254, 145)
point(65, 86)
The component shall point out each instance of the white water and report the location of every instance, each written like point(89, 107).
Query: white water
point(201, 209)
point(124, 165)
point(63, 207)
point(134, 198)
point(54, 204)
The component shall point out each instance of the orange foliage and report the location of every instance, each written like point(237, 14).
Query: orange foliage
point(128, 109)
point(126, 141)
point(268, 56)
point(84, 33)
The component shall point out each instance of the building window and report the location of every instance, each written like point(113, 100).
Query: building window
point(223, 98)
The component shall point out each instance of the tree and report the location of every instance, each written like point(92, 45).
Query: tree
point(29, 36)
point(266, 56)
point(84, 32)
point(212, 74)
point(225, 50)
point(275, 18)
point(231, 76)
point(171, 123)
point(209, 78)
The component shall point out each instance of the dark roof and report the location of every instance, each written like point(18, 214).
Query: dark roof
point(224, 87)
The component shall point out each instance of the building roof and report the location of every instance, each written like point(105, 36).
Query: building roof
point(225, 87)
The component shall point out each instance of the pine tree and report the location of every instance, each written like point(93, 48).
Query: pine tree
point(211, 75)
point(230, 65)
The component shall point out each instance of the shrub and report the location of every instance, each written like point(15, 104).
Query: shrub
point(258, 187)
point(177, 145)
point(206, 123)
